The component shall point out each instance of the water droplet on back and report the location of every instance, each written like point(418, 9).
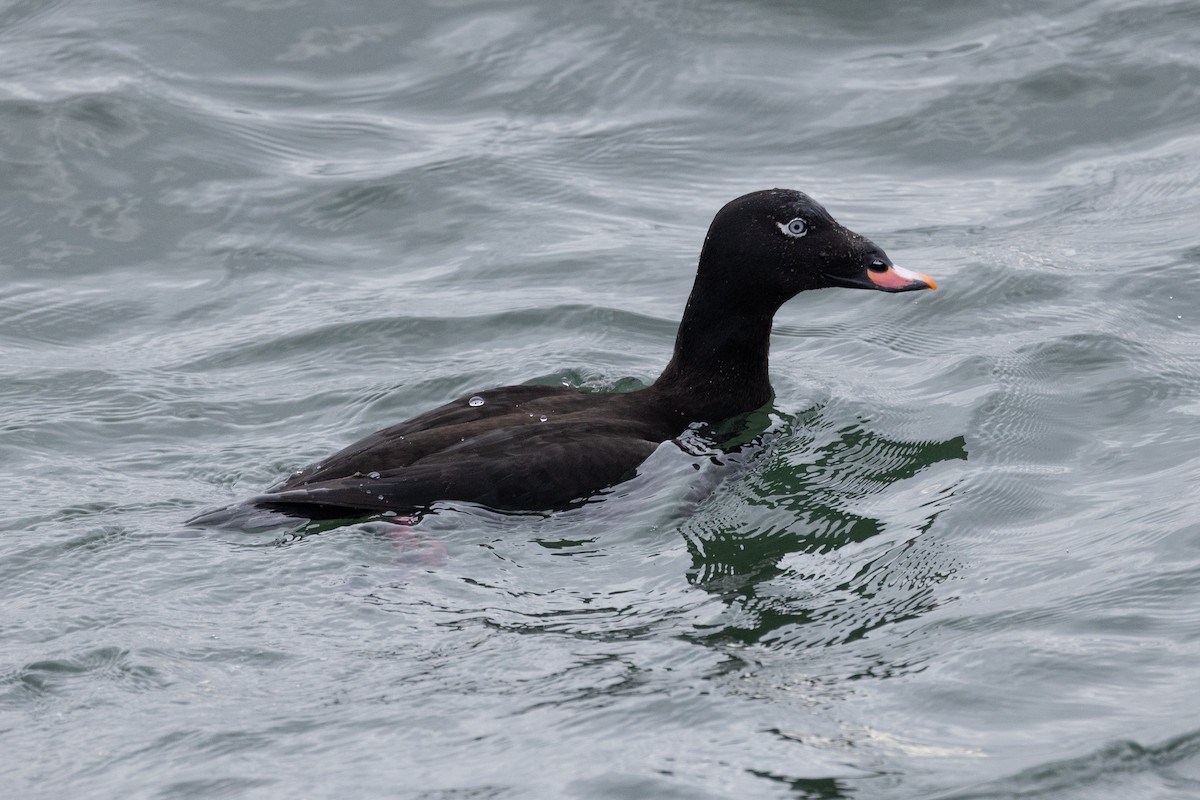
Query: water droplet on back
point(372, 474)
point(475, 401)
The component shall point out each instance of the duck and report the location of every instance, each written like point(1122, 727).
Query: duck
point(541, 448)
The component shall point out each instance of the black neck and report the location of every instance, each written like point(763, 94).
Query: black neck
point(719, 368)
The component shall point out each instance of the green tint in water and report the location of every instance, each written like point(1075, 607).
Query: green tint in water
point(816, 476)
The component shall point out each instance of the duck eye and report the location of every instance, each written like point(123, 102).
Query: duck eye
point(877, 266)
point(796, 228)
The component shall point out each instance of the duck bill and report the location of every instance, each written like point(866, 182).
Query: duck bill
point(890, 279)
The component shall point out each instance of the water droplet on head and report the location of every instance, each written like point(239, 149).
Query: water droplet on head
point(475, 401)
point(543, 417)
point(372, 474)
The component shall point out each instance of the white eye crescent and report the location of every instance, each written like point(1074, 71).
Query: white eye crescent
point(795, 228)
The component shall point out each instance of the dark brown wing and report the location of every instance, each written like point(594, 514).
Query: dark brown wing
point(518, 447)
point(431, 432)
point(546, 467)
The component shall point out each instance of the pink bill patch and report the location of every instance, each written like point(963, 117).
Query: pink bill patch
point(899, 277)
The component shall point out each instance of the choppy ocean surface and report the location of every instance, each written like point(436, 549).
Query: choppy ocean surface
point(962, 559)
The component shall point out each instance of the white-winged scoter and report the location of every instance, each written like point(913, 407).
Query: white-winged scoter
point(543, 447)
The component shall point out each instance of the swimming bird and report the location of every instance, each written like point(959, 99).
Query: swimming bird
point(545, 447)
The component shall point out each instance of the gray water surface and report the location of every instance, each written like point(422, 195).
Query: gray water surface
point(961, 560)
